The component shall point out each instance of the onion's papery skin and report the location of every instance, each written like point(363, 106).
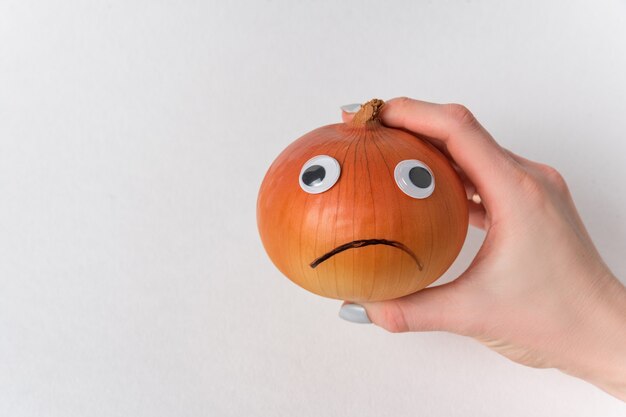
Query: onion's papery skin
point(366, 203)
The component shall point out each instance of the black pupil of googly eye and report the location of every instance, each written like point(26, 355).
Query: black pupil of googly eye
point(313, 175)
point(420, 177)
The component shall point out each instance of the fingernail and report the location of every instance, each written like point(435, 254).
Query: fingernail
point(354, 313)
point(351, 108)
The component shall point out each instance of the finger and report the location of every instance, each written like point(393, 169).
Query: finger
point(476, 209)
point(520, 159)
point(348, 111)
point(477, 212)
point(486, 164)
point(434, 308)
point(477, 215)
point(470, 188)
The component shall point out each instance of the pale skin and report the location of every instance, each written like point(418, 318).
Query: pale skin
point(538, 291)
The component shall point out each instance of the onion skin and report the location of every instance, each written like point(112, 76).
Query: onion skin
point(297, 228)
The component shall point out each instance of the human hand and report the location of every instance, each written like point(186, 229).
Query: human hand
point(538, 291)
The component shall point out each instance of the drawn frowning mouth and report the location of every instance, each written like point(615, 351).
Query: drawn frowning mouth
point(363, 243)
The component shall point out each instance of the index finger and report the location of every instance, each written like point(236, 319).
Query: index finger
point(486, 164)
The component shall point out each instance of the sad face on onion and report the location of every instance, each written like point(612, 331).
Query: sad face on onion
point(362, 212)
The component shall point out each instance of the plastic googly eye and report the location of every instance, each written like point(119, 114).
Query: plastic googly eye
point(414, 178)
point(319, 174)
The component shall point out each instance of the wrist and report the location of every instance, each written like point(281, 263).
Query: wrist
point(599, 356)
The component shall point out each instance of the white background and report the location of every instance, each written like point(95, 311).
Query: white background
point(134, 136)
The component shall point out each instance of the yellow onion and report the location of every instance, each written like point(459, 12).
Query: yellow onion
point(362, 212)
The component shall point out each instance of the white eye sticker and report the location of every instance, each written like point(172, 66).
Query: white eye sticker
point(414, 178)
point(319, 174)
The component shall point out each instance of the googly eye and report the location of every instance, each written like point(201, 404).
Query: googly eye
point(319, 174)
point(414, 178)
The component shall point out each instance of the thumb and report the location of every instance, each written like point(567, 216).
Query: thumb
point(348, 111)
point(435, 308)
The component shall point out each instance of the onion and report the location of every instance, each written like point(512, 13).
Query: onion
point(362, 212)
